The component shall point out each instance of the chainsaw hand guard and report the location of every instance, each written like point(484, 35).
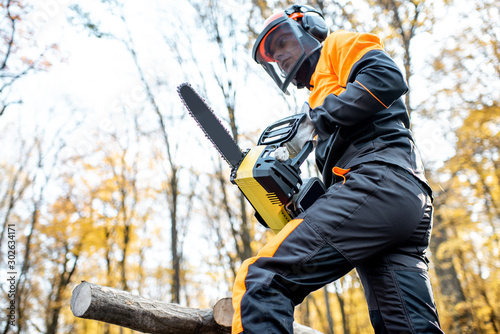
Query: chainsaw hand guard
point(293, 133)
point(281, 131)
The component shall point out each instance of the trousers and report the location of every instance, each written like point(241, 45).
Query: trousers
point(377, 220)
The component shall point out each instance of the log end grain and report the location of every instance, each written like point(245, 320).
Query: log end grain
point(223, 312)
point(81, 299)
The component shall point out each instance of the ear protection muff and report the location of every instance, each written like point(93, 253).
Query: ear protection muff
point(315, 26)
point(311, 20)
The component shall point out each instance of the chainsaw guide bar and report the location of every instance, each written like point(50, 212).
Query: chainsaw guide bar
point(218, 135)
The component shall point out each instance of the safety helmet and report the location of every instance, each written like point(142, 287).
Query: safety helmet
point(287, 39)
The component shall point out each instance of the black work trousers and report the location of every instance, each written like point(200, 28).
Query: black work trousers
point(378, 221)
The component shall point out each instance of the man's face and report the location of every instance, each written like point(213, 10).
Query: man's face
point(285, 49)
point(282, 47)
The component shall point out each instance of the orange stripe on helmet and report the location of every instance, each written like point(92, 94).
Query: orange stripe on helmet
point(272, 18)
point(296, 15)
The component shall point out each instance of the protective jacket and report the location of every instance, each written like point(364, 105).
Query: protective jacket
point(357, 109)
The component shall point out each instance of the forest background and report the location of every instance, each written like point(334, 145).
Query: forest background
point(104, 177)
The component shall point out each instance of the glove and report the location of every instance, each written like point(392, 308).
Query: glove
point(305, 133)
point(281, 154)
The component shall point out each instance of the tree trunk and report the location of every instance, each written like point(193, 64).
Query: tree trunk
point(448, 280)
point(96, 302)
point(345, 322)
point(328, 311)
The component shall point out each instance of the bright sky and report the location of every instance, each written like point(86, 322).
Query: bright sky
point(98, 73)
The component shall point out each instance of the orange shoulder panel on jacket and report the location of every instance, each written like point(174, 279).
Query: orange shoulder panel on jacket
point(341, 50)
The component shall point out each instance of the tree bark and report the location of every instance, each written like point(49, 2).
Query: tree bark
point(329, 317)
point(96, 302)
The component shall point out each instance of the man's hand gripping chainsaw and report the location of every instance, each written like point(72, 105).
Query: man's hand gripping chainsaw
point(302, 134)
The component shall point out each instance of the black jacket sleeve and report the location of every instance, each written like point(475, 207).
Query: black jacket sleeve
point(374, 83)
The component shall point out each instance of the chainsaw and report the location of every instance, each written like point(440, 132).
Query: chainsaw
point(274, 188)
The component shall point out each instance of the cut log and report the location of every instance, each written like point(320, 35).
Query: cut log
point(96, 302)
point(92, 301)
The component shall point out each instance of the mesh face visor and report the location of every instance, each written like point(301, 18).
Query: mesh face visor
point(281, 48)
